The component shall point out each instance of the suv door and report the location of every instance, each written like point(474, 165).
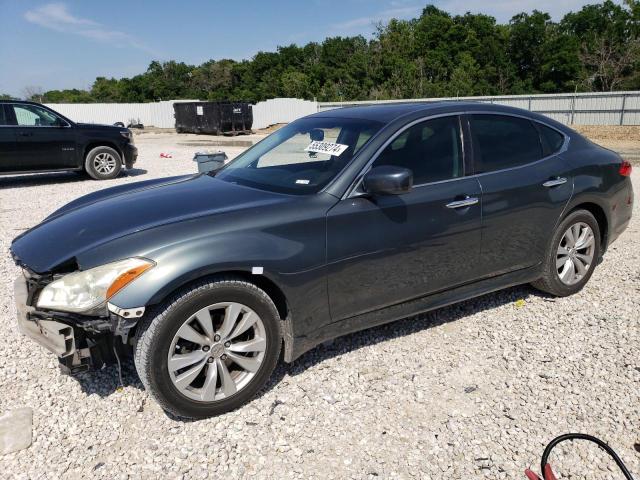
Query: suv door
point(8, 157)
point(45, 141)
point(384, 250)
point(525, 188)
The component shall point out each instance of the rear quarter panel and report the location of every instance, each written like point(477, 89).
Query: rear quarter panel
point(597, 181)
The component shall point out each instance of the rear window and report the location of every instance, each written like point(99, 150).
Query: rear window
point(552, 140)
point(503, 141)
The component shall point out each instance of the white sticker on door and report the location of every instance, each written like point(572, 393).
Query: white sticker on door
point(326, 147)
point(199, 110)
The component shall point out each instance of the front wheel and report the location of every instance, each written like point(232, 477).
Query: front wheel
point(103, 163)
point(572, 256)
point(210, 349)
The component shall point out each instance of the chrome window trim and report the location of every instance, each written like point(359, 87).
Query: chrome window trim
point(56, 114)
point(352, 190)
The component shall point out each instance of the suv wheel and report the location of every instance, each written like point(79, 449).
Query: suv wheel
point(103, 163)
point(573, 255)
point(209, 349)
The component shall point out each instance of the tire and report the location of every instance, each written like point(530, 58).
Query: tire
point(555, 266)
point(103, 163)
point(162, 340)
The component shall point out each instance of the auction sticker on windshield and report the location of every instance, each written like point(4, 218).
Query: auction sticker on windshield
point(326, 147)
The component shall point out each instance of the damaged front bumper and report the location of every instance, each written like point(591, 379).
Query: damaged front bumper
point(81, 343)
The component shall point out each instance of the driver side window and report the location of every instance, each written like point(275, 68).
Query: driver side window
point(432, 150)
point(34, 116)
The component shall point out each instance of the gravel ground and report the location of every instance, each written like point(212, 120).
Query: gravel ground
point(473, 390)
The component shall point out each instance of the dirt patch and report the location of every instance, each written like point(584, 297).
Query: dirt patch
point(270, 128)
point(217, 143)
point(610, 132)
point(623, 139)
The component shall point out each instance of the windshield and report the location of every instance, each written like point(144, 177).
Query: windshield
point(302, 157)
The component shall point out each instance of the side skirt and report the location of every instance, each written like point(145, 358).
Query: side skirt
point(301, 345)
point(55, 170)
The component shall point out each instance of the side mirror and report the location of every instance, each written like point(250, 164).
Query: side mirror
point(388, 180)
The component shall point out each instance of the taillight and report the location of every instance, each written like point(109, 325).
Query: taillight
point(625, 168)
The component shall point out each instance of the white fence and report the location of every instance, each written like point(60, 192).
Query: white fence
point(602, 108)
point(281, 110)
point(616, 108)
point(160, 114)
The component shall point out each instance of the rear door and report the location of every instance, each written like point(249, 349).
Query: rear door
point(8, 155)
point(45, 141)
point(525, 187)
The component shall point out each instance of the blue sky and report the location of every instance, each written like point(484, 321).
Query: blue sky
point(66, 44)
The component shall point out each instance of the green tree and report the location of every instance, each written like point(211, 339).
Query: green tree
point(609, 39)
point(436, 54)
point(295, 84)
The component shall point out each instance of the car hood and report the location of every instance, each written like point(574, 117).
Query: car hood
point(113, 213)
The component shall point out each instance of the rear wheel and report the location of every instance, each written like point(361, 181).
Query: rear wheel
point(572, 256)
point(103, 163)
point(210, 349)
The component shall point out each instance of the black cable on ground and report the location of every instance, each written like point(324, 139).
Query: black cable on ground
point(590, 438)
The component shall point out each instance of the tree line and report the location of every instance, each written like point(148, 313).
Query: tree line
point(434, 55)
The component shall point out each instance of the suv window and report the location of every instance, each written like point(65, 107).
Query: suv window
point(503, 141)
point(552, 140)
point(34, 116)
point(432, 150)
point(3, 116)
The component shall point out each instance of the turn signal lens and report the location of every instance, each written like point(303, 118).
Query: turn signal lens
point(625, 168)
point(127, 277)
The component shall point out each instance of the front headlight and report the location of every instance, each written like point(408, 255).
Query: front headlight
point(128, 134)
point(84, 291)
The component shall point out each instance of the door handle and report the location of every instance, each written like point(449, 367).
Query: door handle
point(554, 182)
point(26, 134)
point(466, 202)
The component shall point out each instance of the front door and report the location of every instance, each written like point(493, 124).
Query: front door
point(44, 140)
point(525, 188)
point(388, 249)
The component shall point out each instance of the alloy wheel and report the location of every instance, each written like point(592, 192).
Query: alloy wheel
point(575, 253)
point(217, 351)
point(104, 163)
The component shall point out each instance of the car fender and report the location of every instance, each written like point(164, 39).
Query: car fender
point(290, 256)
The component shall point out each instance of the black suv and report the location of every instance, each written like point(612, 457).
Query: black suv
point(34, 138)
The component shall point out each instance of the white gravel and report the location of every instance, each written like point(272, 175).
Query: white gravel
point(473, 390)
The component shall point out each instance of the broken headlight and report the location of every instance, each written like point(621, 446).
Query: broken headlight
point(87, 290)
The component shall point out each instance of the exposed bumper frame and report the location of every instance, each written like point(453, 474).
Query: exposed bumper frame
point(80, 345)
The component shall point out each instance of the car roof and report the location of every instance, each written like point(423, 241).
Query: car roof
point(387, 112)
